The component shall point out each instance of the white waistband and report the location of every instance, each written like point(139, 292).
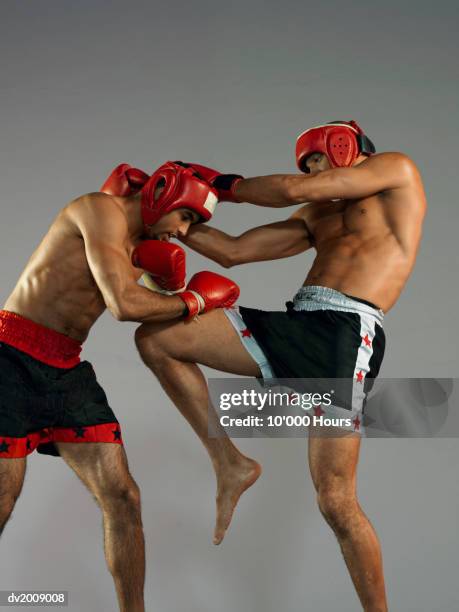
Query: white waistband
point(314, 297)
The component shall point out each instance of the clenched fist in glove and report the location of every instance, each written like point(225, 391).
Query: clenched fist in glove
point(164, 264)
point(206, 291)
point(124, 181)
point(223, 183)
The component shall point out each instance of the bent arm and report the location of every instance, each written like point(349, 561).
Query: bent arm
point(104, 232)
point(264, 243)
point(376, 174)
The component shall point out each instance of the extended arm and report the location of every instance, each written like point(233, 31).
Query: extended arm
point(378, 173)
point(267, 242)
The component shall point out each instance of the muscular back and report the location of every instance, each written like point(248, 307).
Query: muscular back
point(56, 288)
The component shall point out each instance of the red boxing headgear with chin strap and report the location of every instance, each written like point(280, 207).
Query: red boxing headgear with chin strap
point(182, 188)
point(341, 141)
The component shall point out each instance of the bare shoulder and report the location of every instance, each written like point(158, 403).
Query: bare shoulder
point(96, 212)
point(393, 169)
point(93, 203)
point(391, 159)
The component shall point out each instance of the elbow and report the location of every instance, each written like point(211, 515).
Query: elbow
point(119, 311)
point(229, 257)
point(227, 262)
point(234, 257)
point(122, 316)
point(119, 315)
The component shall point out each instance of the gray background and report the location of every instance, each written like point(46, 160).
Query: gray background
point(87, 85)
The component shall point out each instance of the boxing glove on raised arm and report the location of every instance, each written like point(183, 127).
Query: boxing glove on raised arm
point(164, 264)
point(124, 181)
point(223, 183)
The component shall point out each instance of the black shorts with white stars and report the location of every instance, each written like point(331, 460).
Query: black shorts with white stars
point(41, 404)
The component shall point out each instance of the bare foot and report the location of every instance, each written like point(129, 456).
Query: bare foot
point(232, 481)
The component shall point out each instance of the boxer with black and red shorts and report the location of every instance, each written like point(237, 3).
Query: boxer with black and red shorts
point(91, 259)
point(54, 396)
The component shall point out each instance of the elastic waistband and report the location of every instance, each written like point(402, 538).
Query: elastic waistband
point(314, 297)
point(42, 343)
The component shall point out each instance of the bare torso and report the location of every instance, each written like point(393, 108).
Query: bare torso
point(367, 247)
point(56, 288)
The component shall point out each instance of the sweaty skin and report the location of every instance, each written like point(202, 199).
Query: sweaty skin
point(364, 223)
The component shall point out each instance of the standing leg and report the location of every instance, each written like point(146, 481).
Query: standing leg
point(103, 468)
point(333, 463)
point(12, 472)
point(171, 351)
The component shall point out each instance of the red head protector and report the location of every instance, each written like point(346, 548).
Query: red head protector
point(182, 188)
point(341, 141)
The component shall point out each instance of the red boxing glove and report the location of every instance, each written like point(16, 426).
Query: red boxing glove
point(223, 183)
point(206, 291)
point(165, 264)
point(124, 181)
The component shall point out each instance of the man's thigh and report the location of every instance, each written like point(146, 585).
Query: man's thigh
point(209, 340)
point(333, 457)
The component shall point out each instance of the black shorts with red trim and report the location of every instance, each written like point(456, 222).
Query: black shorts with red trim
point(324, 334)
point(41, 404)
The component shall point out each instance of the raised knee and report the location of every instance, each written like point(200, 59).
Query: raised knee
point(338, 507)
point(148, 341)
point(143, 335)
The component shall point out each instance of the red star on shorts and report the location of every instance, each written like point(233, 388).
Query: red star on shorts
point(356, 422)
point(318, 411)
point(367, 340)
point(246, 333)
point(360, 376)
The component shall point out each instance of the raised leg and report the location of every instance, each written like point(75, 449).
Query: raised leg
point(103, 468)
point(171, 351)
point(333, 463)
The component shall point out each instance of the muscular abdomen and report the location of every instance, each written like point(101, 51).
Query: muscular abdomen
point(366, 248)
point(374, 269)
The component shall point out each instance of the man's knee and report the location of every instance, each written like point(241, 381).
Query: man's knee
point(143, 336)
point(338, 505)
point(148, 342)
point(121, 499)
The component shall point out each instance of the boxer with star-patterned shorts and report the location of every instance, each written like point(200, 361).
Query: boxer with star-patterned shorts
point(46, 394)
point(323, 334)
